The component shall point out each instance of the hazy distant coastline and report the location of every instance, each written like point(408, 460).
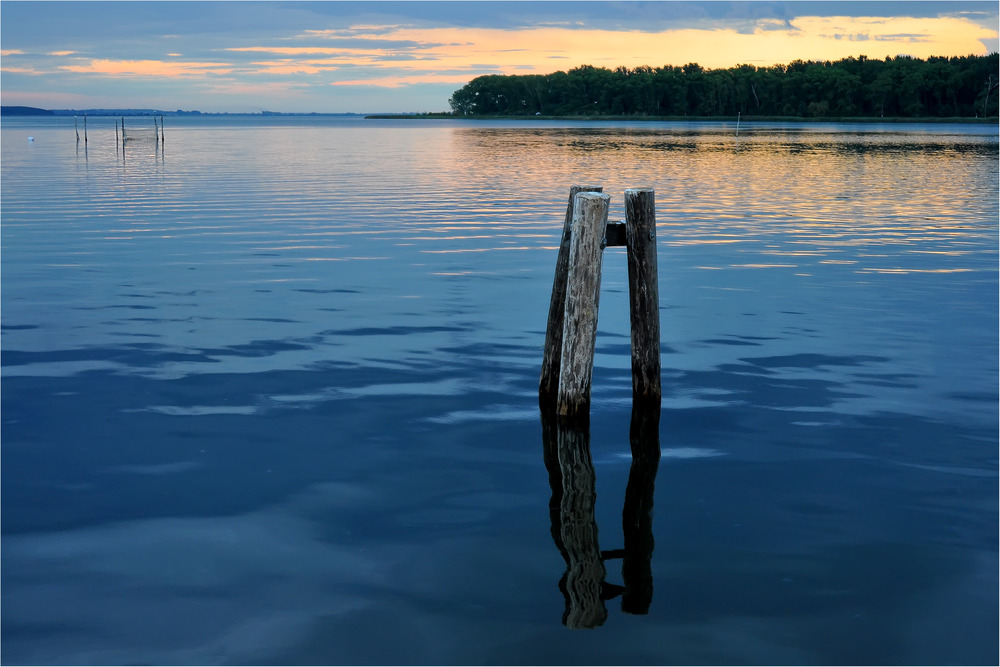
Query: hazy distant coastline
point(35, 111)
point(444, 115)
point(683, 119)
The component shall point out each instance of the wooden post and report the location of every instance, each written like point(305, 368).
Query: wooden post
point(162, 136)
point(85, 128)
point(583, 288)
point(548, 386)
point(644, 297)
point(76, 129)
point(116, 135)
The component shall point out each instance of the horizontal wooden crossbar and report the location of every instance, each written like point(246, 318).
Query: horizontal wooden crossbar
point(614, 234)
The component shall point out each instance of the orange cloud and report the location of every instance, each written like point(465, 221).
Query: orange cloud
point(158, 68)
point(19, 70)
point(451, 51)
point(296, 50)
point(811, 38)
point(270, 90)
point(390, 56)
point(399, 80)
point(294, 67)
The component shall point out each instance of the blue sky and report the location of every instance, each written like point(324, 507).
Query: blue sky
point(410, 56)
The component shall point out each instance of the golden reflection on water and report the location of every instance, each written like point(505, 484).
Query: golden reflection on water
point(821, 194)
point(859, 199)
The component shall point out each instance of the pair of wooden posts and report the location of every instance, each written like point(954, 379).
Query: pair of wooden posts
point(76, 128)
point(158, 135)
point(570, 337)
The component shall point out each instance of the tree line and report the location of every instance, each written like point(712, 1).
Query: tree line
point(853, 87)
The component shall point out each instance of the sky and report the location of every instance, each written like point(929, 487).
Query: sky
point(369, 57)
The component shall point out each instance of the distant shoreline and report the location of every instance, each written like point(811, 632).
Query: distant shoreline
point(694, 119)
point(35, 111)
point(15, 111)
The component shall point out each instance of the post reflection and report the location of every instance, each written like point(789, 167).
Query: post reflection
point(637, 513)
point(566, 446)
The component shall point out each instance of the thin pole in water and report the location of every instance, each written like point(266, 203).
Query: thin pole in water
point(76, 129)
point(84, 128)
point(162, 137)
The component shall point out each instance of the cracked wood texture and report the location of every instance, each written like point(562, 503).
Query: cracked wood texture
point(644, 294)
point(583, 287)
point(548, 385)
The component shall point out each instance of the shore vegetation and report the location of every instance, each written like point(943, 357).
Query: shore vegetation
point(900, 88)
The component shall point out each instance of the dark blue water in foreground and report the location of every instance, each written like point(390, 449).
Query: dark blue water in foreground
point(269, 395)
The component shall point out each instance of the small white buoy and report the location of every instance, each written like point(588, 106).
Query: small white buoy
point(31, 138)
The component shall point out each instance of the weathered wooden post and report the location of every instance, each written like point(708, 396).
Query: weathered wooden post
point(644, 294)
point(84, 128)
point(583, 290)
point(76, 128)
point(548, 386)
point(162, 136)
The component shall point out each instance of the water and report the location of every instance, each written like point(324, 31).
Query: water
point(270, 395)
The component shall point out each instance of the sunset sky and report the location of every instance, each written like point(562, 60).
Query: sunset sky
point(410, 56)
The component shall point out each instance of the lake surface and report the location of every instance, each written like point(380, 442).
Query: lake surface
point(269, 395)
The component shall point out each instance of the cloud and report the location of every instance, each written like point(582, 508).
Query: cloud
point(769, 40)
point(395, 45)
point(149, 68)
point(278, 67)
point(399, 80)
point(937, 36)
point(18, 70)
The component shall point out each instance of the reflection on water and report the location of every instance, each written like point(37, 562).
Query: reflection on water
point(270, 393)
point(574, 527)
point(566, 447)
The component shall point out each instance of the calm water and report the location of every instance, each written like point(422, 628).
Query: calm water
point(269, 395)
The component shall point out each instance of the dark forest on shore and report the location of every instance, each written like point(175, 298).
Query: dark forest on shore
point(900, 87)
